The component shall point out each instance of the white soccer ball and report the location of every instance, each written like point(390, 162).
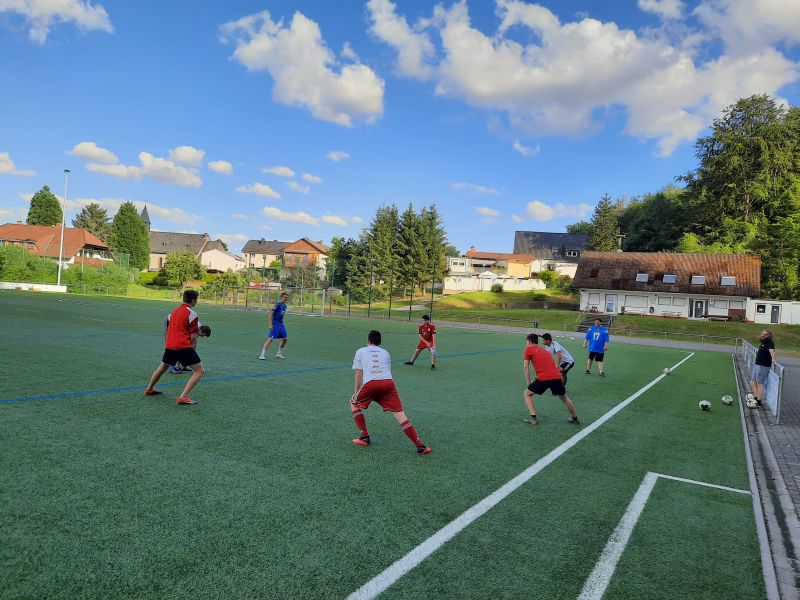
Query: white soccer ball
point(704, 405)
point(571, 339)
point(751, 401)
point(727, 400)
point(667, 370)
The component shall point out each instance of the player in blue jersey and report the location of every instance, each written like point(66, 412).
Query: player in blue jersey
point(597, 340)
point(277, 330)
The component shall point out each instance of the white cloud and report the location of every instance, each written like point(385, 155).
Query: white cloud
point(304, 70)
point(232, 239)
point(289, 217)
point(279, 171)
point(298, 187)
point(337, 155)
point(540, 211)
point(414, 47)
point(357, 220)
point(92, 152)
point(334, 220)
point(239, 216)
point(517, 219)
point(478, 189)
point(187, 155)
point(666, 9)
point(152, 167)
point(348, 53)
point(13, 214)
point(260, 189)
point(486, 211)
point(561, 80)
point(41, 14)
point(223, 167)
point(312, 178)
point(527, 151)
point(7, 166)
point(177, 216)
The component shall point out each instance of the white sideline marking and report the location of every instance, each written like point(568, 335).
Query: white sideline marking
point(395, 571)
point(598, 581)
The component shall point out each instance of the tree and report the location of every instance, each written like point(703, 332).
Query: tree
point(382, 238)
point(129, 235)
point(411, 244)
point(182, 266)
point(605, 226)
point(94, 219)
point(583, 227)
point(45, 209)
point(654, 222)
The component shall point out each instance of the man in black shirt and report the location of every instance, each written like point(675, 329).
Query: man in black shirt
point(763, 365)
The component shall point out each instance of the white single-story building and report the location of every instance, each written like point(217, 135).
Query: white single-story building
point(693, 286)
point(483, 282)
point(786, 312)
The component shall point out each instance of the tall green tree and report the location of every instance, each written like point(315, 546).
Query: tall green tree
point(45, 209)
point(382, 240)
point(605, 226)
point(129, 235)
point(583, 227)
point(412, 269)
point(94, 219)
point(436, 245)
point(654, 222)
point(182, 266)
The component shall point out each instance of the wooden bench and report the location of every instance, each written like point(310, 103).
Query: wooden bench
point(717, 318)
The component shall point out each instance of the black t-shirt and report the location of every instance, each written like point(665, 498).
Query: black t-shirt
point(763, 357)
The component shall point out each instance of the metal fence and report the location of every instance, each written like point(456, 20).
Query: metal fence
point(773, 388)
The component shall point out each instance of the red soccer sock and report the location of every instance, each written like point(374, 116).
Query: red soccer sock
point(411, 432)
point(361, 423)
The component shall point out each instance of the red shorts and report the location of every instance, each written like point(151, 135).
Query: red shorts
point(381, 391)
point(422, 346)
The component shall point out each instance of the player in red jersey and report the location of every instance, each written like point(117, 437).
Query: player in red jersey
point(373, 383)
point(427, 340)
point(547, 377)
point(182, 332)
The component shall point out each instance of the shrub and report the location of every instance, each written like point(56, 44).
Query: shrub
point(549, 277)
point(497, 288)
point(109, 278)
point(148, 277)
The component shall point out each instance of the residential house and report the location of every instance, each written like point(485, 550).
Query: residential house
point(478, 271)
point(80, 246)
point(661, 284)
point(260, 254)
point(216, 259)
point(559, 252)
point(306, 253)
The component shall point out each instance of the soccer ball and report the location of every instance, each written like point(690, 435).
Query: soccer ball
point(571, 339)
point(751, 401)
point(704, 405)
point(727, 400)
point(667, 370)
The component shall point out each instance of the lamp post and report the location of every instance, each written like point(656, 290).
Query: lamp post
point(63, 219)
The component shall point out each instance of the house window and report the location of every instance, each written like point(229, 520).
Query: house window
point(698, 279)
point(554, 249)
point(664, 301)
point(642, 278)
point(670, 278)
point(679, 302)
point(727, 280)
point(572, 253)
point(723, 304)
point(761, 309)
point(737, 304)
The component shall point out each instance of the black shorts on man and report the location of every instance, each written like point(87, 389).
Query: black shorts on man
point(187, 357)
point(598, 356)
point(566, 366)
point(556, 386)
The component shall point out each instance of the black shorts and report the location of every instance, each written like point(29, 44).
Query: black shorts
point(565, 366)
point(187, 357)
point(539, 387)
point(598, 356)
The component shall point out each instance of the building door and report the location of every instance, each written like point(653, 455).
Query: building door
point(611, 303)
point(775, 314)
point(699, 309)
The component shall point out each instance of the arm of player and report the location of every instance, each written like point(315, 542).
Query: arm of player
point(526, 367)
point(558, 359)
point(773, 354)
point(359, 378)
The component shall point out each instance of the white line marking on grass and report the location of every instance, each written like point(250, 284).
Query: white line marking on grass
point(598, 581)
point(389, 576)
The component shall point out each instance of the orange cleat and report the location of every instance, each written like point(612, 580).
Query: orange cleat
point(423, 449)
point(361, 441)
point(185, 400)
point(153, 392)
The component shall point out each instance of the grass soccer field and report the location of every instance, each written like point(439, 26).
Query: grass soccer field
point(258, 491)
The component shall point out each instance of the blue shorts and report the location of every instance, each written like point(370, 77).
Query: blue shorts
point(760, 373)
point(278, 332)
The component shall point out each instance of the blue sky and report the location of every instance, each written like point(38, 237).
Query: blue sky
point(285, 119)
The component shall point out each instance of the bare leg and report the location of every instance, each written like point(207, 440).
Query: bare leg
point(760, 391)
point(528, 397)
point(416, 354)
point(568, 403)
point(162, 368)
point(601, 366)
point(433, 358)
point(197, 375)
point(589, 365)
point(265, 347)
point(284, 341)
point(400, 417)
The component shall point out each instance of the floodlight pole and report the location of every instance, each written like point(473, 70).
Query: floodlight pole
point(63, 220)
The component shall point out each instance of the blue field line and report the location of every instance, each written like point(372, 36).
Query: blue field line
point(227, 378)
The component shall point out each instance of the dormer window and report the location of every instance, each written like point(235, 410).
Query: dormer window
point(555, 249)
point(642, 278)
point(670, 278)
point(698, 279)
point(572, 253)
point(727, 280)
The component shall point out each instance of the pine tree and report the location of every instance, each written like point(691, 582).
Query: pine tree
point(45, 209)
point(410, 241)
point(94, 219)
point(605, 226)
point(129, 235)
point(383, 242)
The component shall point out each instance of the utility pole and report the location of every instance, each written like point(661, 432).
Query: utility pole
point(620, 237)
point(63, 220)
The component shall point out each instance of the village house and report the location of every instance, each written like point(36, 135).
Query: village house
point(80, 246)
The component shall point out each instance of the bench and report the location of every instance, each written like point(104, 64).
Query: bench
point(716, 318)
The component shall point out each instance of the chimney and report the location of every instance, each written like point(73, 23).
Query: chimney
point(19, 222)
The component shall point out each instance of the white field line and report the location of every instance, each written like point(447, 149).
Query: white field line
point(395, 571)
point(598, 580)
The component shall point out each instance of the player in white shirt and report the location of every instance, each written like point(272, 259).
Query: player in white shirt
point(561, 355)
point(373, 383)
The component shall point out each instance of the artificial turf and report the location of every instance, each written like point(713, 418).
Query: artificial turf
point(258, 492)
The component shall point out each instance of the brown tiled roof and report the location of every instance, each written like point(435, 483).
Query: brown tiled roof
point(523, 258)
point(306, 246)
point(618, 270)
point(47, 238)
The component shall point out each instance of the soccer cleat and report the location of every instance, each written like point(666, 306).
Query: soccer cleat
point(433, 367)
point(531, 420)
point(574, 421)
point(262, 357)
point(361, 441)
point(185, 400)
point(423, 449)
point(409, 363)
point(602, 374)
point(174, 371)
point(588, 372)
point(185, 369)
point(153, 392)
